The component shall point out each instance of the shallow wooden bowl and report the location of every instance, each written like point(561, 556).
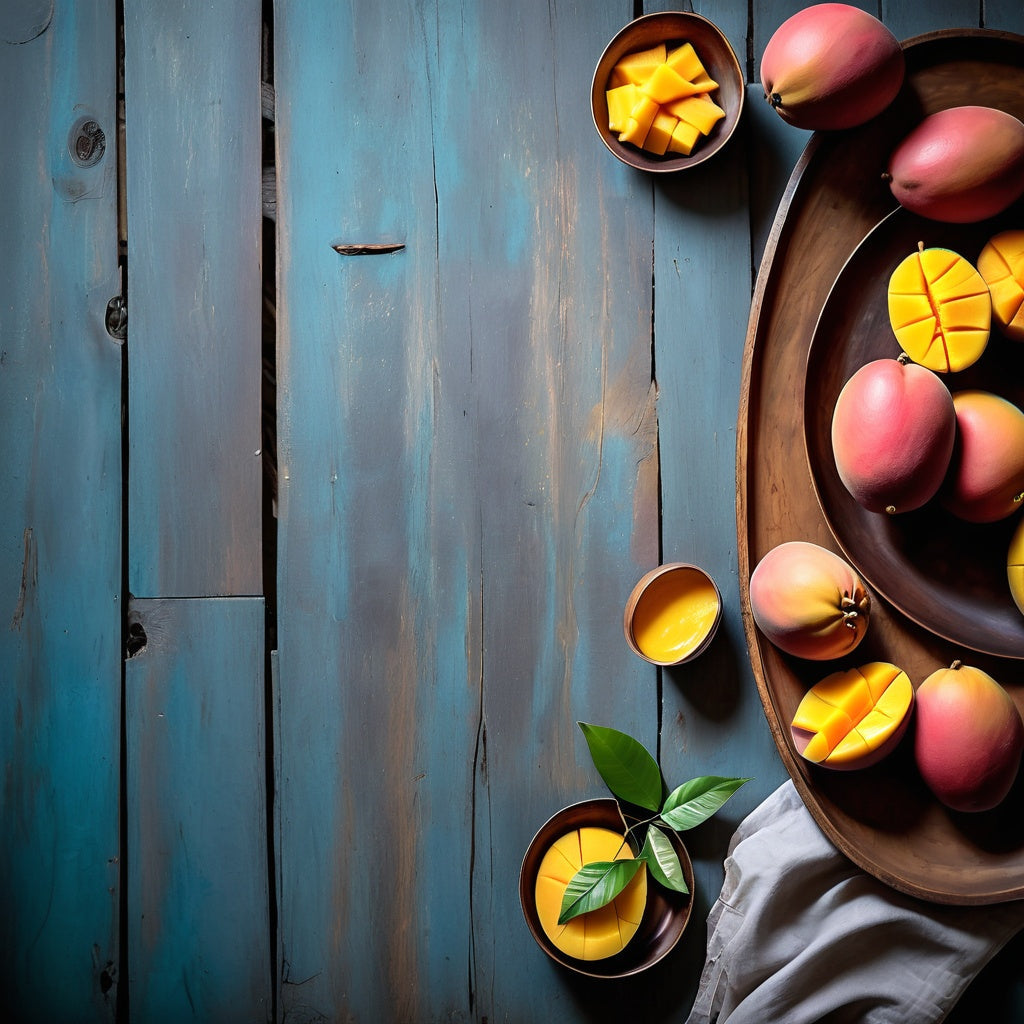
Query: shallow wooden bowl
point(716, 55)
point(943, 573)
point(665, 916)
point(668, 579)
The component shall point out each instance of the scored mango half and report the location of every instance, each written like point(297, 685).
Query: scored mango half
point(659, 100)
point(940, 309)
point(1001, 264)
point(1015, 566)
point(853, 718)
point(599, 933)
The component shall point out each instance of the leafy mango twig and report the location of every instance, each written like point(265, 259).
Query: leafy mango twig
point(633, 776)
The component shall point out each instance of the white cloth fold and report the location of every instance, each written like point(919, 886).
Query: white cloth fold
point(801, 935)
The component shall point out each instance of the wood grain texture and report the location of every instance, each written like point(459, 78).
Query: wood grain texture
point(193, 131)
point(198, 922)
point(60, 412)
point(468, 491)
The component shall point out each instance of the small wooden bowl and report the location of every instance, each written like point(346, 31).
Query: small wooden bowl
point(715, 54)
point(659, 587)
point(665, 915)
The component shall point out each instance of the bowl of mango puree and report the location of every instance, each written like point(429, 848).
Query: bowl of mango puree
point(636, 930)
point(667, 92)
point(672, 614)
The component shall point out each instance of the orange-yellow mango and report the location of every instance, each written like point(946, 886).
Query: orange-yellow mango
point(968, 739)
point(808, 601)
point(854, 718)
point(1001, 264)
point(985, 479)
point(599, 933)
point(939, 309)
point(1015, 566)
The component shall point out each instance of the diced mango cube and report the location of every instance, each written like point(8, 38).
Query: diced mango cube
point(684, 59)
point(701, 111)
point(666, 85)
point(621, 101)
point(637, 67)
point(659, 135)
point(641, 117)
point(684, 138)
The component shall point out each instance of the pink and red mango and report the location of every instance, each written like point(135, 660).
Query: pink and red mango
point(808, 601)
point(985, 480)
point(960, 165)
point(892, 435)
point(969, 738)
point(831, 66)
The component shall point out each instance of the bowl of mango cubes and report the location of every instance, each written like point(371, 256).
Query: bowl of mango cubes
point(668, 92)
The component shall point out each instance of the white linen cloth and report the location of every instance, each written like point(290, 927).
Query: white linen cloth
point(801, 935)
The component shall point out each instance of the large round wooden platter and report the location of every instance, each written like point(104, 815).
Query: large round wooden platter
point(883, 818)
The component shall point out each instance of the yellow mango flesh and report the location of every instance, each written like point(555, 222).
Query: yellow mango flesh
point(600, 933)
point(940, 309)
point(1015, 566)
point(675, 613)
point(653, 92)
point(1001, 264)
point(849, 715)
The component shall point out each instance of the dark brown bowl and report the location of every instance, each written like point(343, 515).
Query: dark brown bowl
point(665, 916)
point(947, 575)
point(716, 55)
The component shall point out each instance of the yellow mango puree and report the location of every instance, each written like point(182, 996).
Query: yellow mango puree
point(600, 933)
point(659, 100)
point(674, 614)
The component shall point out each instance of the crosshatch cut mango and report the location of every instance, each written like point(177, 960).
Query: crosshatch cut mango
point(853, 718)
point(1001, 264)
point(1015, 566)
point(940, 309)
point(600, 933)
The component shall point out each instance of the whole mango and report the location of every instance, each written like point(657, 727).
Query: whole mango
point(893, 430)
point(960, 165)
point(831, 66)
point(985, 479)
point(808, 601)
point(969, 738)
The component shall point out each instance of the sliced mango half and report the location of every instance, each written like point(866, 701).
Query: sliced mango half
point(1001, 264)
point(940, 309)
point(600, 933)
point(853, 718)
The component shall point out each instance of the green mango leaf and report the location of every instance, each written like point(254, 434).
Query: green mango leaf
point(595, 885)
point(627, 768)
point(695, 801)
point(662, 861)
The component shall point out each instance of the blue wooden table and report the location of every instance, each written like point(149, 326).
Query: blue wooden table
point(308, 575)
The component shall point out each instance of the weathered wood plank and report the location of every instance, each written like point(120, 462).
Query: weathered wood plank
point(193, 130)
point(198, 922)
point(713, 723)
point(60, 555)
point(468, 491)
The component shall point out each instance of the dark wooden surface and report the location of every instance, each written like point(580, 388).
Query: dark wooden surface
point(332, 768)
